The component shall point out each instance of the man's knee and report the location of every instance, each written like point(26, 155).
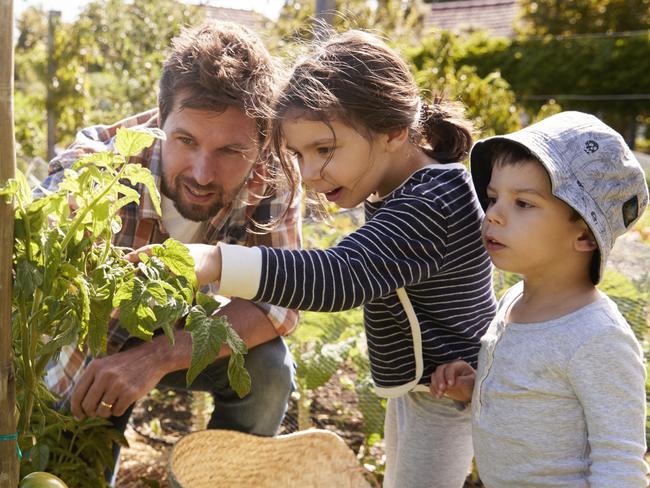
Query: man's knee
point(271, 368)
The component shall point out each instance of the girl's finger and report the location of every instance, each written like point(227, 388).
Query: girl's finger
point(134, 256)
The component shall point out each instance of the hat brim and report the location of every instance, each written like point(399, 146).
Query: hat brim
point(480, 164)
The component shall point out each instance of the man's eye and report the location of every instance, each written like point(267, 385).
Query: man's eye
point(186, 140)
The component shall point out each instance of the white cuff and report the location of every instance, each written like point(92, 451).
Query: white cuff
point(241, 271)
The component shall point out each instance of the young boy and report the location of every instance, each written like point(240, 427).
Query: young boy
point(559, 393)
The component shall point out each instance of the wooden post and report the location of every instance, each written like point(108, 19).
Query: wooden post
point(324, 15)
point(52, 23)
point(9, 466)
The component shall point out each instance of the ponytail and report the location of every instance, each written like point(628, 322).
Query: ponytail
point(445, 131)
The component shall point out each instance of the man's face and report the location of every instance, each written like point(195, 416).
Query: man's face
point(206, 158)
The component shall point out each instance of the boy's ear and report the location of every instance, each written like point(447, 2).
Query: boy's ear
point(395, 139)
point(586, 242)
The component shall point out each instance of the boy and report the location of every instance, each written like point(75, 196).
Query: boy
point(559, 393)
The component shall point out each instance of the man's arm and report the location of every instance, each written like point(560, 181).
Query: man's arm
point(123, 378)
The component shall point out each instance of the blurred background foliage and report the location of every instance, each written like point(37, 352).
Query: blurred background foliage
point(105, 65)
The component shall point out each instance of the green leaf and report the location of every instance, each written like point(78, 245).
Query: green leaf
point(71, 181)
point(100, 218)
point(83, 310)
point(17, 187)
point(168, 315)
point(100, 315)
point(240, 380)
point(28, 278)
point(177, 258)
point(38, 456)
point(135, 314)
point(157, 291)
point(208, 334)
point(67, 336)
point(135, 173)
point(130, 142)
point(103, 159)
point(208, 303)
point(234, 341)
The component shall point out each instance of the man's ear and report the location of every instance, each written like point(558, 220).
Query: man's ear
point(395, 140)
point(586, 242)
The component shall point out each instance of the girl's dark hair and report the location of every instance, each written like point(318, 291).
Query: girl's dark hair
point(356, 78)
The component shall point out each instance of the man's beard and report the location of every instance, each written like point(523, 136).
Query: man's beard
point(191, 211)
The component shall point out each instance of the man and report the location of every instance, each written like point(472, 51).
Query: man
point(215, 180)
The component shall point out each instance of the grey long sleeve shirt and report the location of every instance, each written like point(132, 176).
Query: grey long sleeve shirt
point(560, 403)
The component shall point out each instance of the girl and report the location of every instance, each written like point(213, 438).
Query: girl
point(352, 117)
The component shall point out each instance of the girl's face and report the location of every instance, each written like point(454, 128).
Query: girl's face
point(335, 160)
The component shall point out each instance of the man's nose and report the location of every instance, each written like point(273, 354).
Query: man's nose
point(204, 169)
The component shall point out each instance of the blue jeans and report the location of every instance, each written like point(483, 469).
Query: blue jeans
point(271, 368)
point(262, 410)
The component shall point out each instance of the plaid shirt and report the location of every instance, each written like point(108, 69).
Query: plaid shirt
point(141, 225)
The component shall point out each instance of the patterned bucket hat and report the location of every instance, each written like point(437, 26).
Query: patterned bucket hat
point(591, 168)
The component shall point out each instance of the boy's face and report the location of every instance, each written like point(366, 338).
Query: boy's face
point(526, 229)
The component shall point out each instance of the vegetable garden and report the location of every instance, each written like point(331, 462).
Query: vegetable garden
point(68, 278)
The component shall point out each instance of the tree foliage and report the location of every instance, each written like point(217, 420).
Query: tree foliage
point(399, 20)
point(107, 64)
point(555, 17)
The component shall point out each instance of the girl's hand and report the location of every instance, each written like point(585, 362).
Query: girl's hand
point(455, 379)
point(207, 261)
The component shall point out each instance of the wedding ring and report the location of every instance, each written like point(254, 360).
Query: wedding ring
point(107, 405)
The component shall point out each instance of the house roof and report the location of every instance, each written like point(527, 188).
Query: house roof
point(247, 18)
point(495, 16)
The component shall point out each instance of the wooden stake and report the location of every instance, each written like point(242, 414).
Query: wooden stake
point(9, 466)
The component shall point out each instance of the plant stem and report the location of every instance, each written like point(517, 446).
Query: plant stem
point(304, 409)
point(79, 219)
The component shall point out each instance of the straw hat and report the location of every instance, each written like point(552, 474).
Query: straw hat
point(222, 458)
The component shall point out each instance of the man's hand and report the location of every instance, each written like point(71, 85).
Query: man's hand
point(207, 261)
point(110, 385)
point(455, 379)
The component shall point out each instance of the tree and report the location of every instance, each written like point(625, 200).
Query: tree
point(399, 20)
point(556, 17)
point(107, 64)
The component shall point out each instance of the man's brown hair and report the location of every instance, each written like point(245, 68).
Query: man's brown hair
point(216, 66)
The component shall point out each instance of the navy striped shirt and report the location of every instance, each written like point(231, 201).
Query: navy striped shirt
point(423, 238)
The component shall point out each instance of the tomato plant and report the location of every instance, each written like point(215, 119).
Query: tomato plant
point(69, 277)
